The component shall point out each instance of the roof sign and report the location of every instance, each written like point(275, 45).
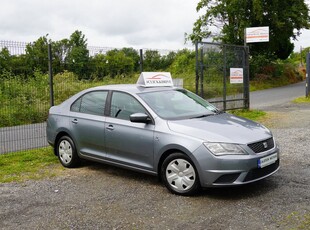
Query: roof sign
point(155, 79)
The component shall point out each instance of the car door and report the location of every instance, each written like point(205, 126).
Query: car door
point(128, 142)
point(88, 123)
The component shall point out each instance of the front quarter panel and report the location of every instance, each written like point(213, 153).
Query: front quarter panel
point(166, 140)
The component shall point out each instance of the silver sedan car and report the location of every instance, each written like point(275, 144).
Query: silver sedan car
point(164, 131)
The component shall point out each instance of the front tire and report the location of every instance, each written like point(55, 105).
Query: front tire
point(180, 175)
point(66, 152)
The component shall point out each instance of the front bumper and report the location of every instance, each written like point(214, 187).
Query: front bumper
point(232, 170)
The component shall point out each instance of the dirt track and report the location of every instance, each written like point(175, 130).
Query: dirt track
point(98, 196)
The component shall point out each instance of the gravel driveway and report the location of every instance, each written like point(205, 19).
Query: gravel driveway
point(98, 196)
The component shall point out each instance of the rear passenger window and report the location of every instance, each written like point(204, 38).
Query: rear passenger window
point(91, 103)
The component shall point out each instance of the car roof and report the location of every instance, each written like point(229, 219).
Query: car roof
point(131, 88)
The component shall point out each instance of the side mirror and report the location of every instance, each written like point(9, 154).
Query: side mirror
point(140, 118)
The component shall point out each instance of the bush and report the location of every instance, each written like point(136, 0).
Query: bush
point(23, 101)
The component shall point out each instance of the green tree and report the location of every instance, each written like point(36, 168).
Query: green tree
point(285, 18)
point(99, 67)
point(77, 57)
point(20, 67)
point(5, 60)
point(184, 62)
point(37, 54)
point(151, 60)
point(118, 63)
point(60, 50)
point(167, 60)
point(134, 55)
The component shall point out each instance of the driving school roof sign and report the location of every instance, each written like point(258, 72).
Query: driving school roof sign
point(155, 79)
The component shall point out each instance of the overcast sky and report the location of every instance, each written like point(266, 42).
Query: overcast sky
point(155, 24)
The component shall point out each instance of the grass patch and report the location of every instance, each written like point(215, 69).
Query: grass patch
point(296, 220)
point(29, 165)
point(301, 100)
point(255, 115)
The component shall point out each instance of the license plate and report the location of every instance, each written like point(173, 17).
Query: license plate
point(268, 160)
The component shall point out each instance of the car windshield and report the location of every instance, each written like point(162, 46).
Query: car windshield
point(178, 104)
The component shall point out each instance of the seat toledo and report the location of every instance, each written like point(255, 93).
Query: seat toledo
point(165, 131)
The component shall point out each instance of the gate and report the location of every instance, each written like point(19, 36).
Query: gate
point(222, 75)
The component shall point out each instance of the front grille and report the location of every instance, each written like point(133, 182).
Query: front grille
point(261, 172)
point(262, 146)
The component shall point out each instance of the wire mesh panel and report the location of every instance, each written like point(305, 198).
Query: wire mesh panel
point(222, 75)
point(24, 109)
point(34, 76)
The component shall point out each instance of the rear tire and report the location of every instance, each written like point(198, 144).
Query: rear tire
point(180, 175)
point(66, 152)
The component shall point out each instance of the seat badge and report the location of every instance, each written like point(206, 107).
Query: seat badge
point(265, 145)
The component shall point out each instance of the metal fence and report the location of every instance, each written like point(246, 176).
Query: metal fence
point(214, 65)
point(25, 101)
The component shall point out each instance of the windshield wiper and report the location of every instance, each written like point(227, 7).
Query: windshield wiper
point(201, 116)
point(215, 112)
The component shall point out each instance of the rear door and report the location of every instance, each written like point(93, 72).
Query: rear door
point(88, 123)
point(128, 142)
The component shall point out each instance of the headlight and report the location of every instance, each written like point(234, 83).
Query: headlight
point(220, 149)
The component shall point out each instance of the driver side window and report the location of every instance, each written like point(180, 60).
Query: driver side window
point(123, 105)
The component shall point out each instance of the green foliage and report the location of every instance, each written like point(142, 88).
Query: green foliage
point(302, 100)
point(184, 62)
point(152, 60)
point(254, 115)
point(299, 58)
point(37, 55)
point(77, 57)
point(24, 84)
point(275, 74)
point(134, 56)
point(285, 20)
point(167, 60)
point(99, 66)
point(23, 101)
point(5, 60)
point(118, 63)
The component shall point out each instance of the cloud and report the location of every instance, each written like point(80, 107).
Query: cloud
point(106, 23)
point(158, 24)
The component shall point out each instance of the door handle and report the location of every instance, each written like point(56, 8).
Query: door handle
point(110, 127)
point(75, 121)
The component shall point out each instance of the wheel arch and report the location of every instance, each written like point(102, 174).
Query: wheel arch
point(58, 136)
point(165, 155)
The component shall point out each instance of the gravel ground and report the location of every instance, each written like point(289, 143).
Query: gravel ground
point(98, 196)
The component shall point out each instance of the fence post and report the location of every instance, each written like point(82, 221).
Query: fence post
point(50, 73)
point(196, 69)
point(224, 78)
point(308, 75)
point(246, 86)
point(141, 60)
point(202, 73)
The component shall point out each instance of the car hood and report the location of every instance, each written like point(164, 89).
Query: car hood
point(221, 128)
